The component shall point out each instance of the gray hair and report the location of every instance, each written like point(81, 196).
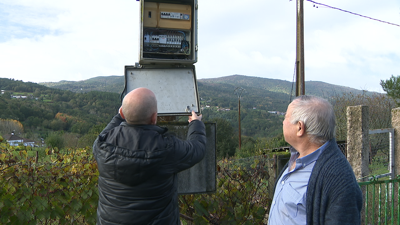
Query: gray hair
point(317, 115)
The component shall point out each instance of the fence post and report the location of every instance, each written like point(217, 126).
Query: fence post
point(358, 145)
point(272, 175)
point(278, 162)
point(396, 127)
point(358, 140)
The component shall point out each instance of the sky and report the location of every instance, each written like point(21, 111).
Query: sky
point(50, 41)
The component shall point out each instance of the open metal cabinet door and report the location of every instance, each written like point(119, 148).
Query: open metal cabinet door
point(201, 178)
point(175, 88)
point(177, 95)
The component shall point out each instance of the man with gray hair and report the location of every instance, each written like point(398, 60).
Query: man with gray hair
point(138, 162)
point(317, 186)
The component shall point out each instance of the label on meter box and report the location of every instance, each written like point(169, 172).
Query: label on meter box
point(175, 16)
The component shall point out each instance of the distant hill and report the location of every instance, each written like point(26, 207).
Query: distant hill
point(116, 84)
point(265, 93)
point(107, 84)
point(317, 88)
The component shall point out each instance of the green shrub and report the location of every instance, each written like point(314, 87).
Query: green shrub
point(241, 197)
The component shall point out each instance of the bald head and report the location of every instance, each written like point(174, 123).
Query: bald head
point(140, 107)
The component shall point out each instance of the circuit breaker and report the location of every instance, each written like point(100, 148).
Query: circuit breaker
point(168, 32)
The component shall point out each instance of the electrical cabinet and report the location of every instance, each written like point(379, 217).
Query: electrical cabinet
point(168, 32)
point(168, 52)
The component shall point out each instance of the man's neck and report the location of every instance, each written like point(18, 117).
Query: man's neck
point(306, 148)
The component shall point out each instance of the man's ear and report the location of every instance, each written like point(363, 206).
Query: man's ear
point(153, 120)
point(120, 112)
point(301, 128)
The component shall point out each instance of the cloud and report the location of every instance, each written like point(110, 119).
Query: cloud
point(45, 40)
point(80, 41)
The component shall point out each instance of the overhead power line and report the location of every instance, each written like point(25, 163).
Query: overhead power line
point(353, 13)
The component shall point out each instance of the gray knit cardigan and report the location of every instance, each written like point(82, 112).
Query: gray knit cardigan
point(333, 194)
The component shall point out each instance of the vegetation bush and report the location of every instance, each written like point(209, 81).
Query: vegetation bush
point(47, 110)
point(55, 141)
point(241, 196)
point(61, 191)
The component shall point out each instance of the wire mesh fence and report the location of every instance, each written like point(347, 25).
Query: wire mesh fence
point(249, 164)
point(242, 196)
point(380, 155)
point(62, 189)
point(343, 147)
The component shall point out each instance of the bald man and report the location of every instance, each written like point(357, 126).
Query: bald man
point(138, 162)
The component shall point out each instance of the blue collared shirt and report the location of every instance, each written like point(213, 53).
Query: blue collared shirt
point(289, 202)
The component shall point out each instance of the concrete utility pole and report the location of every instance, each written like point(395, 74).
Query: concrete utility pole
point(300, 85)
point(238, 92)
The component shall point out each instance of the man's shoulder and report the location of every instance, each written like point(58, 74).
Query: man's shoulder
point(335, 160)
point(332, 163)
point(127, 136)
point(333, 152)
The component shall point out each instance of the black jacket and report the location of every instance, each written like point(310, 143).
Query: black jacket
point(137, 171)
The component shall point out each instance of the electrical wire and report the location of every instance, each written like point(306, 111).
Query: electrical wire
point(353, 13)
point(294, 74)
point(184, 35)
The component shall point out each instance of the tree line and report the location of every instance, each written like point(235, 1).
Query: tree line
point(47, 110)
point(58, 115)
point(77, 118)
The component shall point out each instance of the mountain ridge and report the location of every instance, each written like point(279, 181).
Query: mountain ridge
point(115, 83)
